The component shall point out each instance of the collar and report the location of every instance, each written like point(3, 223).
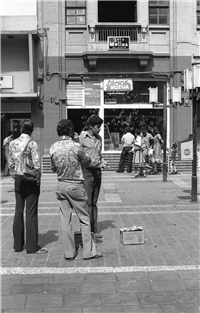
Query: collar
point(89, 135)
point(25, 136)
point(65, 138)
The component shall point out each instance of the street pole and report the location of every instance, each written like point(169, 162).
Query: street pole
point(194, 161)
point(165, 133)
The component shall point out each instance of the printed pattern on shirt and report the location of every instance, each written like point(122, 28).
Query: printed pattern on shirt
point(67, 158)
point(15, 149)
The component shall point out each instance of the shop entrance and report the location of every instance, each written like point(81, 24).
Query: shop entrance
point(116, 121)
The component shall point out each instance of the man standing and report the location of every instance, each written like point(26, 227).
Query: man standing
point(92, 144)
point(6, 144)
point(128, 142)
point(26, 192)
point(67, 158)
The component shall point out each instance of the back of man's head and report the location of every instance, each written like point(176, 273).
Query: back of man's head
point(94, 120)
point(65, 128)
point(27, 127)
point(128, 130)
point(9, 133)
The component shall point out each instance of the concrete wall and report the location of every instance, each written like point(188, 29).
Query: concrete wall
point(15, 61)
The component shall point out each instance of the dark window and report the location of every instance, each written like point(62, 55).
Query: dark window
point(117, 11)
point(198, 12)
point(75, 13)
point(159, 12)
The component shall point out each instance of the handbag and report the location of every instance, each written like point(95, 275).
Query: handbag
point(24, 169)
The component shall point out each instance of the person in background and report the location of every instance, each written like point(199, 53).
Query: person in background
point(67, 158)
point(26, 191)
point(6, 144)
point(158, 141)
point(137, 155)
point(128, 142)
point(91, 142)
point(173, 151)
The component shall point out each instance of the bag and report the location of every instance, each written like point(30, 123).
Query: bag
point(24, 169)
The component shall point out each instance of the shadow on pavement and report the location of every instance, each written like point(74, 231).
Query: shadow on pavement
point(105, 224)
point(49, 237)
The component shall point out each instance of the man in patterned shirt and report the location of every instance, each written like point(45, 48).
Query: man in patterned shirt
point(26, 192)
point(67, 158)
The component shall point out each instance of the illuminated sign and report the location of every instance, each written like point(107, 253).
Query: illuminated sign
point(119, 43)
point(118, 85)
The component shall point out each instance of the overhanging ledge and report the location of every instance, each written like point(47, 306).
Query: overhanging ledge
point(92, 57)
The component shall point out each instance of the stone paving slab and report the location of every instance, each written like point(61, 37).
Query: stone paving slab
point(160, 276)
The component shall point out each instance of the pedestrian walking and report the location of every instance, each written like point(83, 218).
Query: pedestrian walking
point(128, 142)
point(173, 151)
point(158, 141)
point(6, 144)
point(26, 192)
point(67, 158)
point(91, 142)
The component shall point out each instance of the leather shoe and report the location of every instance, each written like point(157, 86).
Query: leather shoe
point(97, 256)
point(40, 251)
point(70, 259)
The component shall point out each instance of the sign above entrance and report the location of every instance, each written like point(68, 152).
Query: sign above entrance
point(119, 43)
point(118, 85)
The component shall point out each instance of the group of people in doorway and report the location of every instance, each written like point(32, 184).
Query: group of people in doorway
point(143, 151)
point(77, 161)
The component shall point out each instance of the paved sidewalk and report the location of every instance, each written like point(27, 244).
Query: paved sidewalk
point(160, 276)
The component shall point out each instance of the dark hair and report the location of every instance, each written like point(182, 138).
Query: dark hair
point(65, 128)
point(144, 133)
point(128, 130)
point(27, 127)
point(9, 133)
point(137, 132)
point(156, 130)
point(94, 120)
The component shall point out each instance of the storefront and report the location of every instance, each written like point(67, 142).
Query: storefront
point(120, 102)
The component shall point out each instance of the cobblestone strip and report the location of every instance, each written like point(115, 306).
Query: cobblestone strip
point(84, 270)
point(108, 213)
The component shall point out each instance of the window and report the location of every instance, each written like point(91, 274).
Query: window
point(198, 12)
point(117, 11)
point(75, 13)
point(159, 12)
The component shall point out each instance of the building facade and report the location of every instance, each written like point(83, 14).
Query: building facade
point(103, 57)
point(19, 90)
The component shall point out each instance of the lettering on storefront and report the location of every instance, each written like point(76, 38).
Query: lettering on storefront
point(121, 43)
point(118, 85)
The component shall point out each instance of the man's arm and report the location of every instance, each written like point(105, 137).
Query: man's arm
point(84, 157)
point(11, 160)
point(51, 151)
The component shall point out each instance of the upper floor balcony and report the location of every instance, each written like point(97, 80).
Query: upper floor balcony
point(99, 36)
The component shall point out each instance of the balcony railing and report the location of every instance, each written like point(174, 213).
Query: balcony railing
point(102, 33)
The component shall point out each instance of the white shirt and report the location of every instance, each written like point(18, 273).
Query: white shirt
point(128, 139)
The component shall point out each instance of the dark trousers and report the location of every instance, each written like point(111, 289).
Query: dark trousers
point(26, 192)
point(125, 152)
point(92, 183)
